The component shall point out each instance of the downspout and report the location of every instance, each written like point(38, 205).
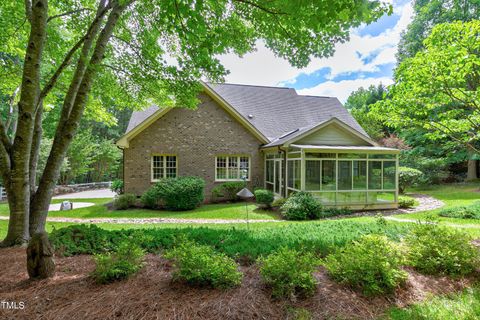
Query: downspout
point(284, 189)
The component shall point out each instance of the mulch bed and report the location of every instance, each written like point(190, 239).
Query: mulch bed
point(151, 294)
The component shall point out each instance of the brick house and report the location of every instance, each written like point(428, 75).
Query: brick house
point(278, 139)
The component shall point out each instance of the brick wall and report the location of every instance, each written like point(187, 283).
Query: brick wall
point(195, 137)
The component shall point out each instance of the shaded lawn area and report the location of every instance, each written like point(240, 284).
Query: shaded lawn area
point(206, 211)
point(453, 195)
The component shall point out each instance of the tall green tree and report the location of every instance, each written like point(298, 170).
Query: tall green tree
point(438, 90)
point(359, 102)
point(138, 52)
point(427, 14)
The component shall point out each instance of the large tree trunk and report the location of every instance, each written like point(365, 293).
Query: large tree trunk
point(471, 170)
point(471, 165)
point(40, 264)
point(18, 191)
point(69, 121)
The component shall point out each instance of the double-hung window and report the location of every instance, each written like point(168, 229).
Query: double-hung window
point(164, 166)
point(232, 168)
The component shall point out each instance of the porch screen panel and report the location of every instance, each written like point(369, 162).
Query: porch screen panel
point(297, 174)
point(389, 175)
point(375, 175)
point(290, 169)
point(328, 175)
point(344, 175)
point(312, 175)
point(359, 175)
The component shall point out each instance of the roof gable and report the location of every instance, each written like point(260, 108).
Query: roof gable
point(270, 113)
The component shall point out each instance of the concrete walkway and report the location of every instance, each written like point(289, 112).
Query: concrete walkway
point(89, 194)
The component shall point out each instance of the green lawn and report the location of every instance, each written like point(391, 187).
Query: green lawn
point(460, 306)
point(208, 211)
point(452, 195)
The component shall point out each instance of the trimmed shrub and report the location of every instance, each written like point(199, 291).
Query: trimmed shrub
point(119, 265)
point(435, 249)
point(182, 193)
point(202, 266)
point(264, 197)
point(407, 202)
point(462, 212)
point(117, 186)
point(290, 273)
point(124, 201)
point(371, 264)
point(227, 190)
point(302, 206)
point(277, 203)
point(408, 177)
point(332, 212)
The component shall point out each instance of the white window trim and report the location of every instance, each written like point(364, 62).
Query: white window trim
point(164, 165)
point(238, 161)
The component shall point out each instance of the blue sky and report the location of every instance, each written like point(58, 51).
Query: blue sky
point(368, 58)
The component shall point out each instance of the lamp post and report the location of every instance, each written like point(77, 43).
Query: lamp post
point(245, 194)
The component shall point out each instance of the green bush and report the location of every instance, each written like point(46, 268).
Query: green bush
point(302, 206)
point(119, 265)
point(290, 273)
point(462, 212)
point(332, 212)
point(371, 264)
point(408, 177)
point(182, 193)
point(278, 203)
point(124, 201)
point(227, 190)
point(407, 202)
point(440, 250)
point(117, 186)
point(201, 265)
point(264, 197)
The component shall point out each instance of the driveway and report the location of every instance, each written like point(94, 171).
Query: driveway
point(89, 194)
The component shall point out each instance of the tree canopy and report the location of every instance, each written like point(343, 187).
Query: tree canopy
point(438, 90)
point(429, 13)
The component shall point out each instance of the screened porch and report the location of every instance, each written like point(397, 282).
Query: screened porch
point(358, 177)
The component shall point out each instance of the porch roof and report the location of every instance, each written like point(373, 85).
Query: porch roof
point(345, 148)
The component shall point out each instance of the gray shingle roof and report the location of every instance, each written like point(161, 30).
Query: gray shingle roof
point(274, 111)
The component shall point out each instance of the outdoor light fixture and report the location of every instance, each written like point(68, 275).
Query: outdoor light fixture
point(245, 193)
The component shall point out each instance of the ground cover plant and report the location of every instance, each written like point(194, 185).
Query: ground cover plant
point(290, 273)
point(319, 237)
point(125, 261)
point(471, 211)
point(201, 265)
point(371, 264)
point(436, 249)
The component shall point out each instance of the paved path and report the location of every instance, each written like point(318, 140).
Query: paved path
point(89, 194)
point(76, 205)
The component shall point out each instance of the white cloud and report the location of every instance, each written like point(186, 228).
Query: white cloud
point(263, 68)
point(342, 89)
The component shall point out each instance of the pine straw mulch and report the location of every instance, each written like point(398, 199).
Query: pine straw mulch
point(151, 294)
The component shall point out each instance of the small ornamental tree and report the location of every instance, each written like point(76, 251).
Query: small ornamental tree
point(139, 52)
